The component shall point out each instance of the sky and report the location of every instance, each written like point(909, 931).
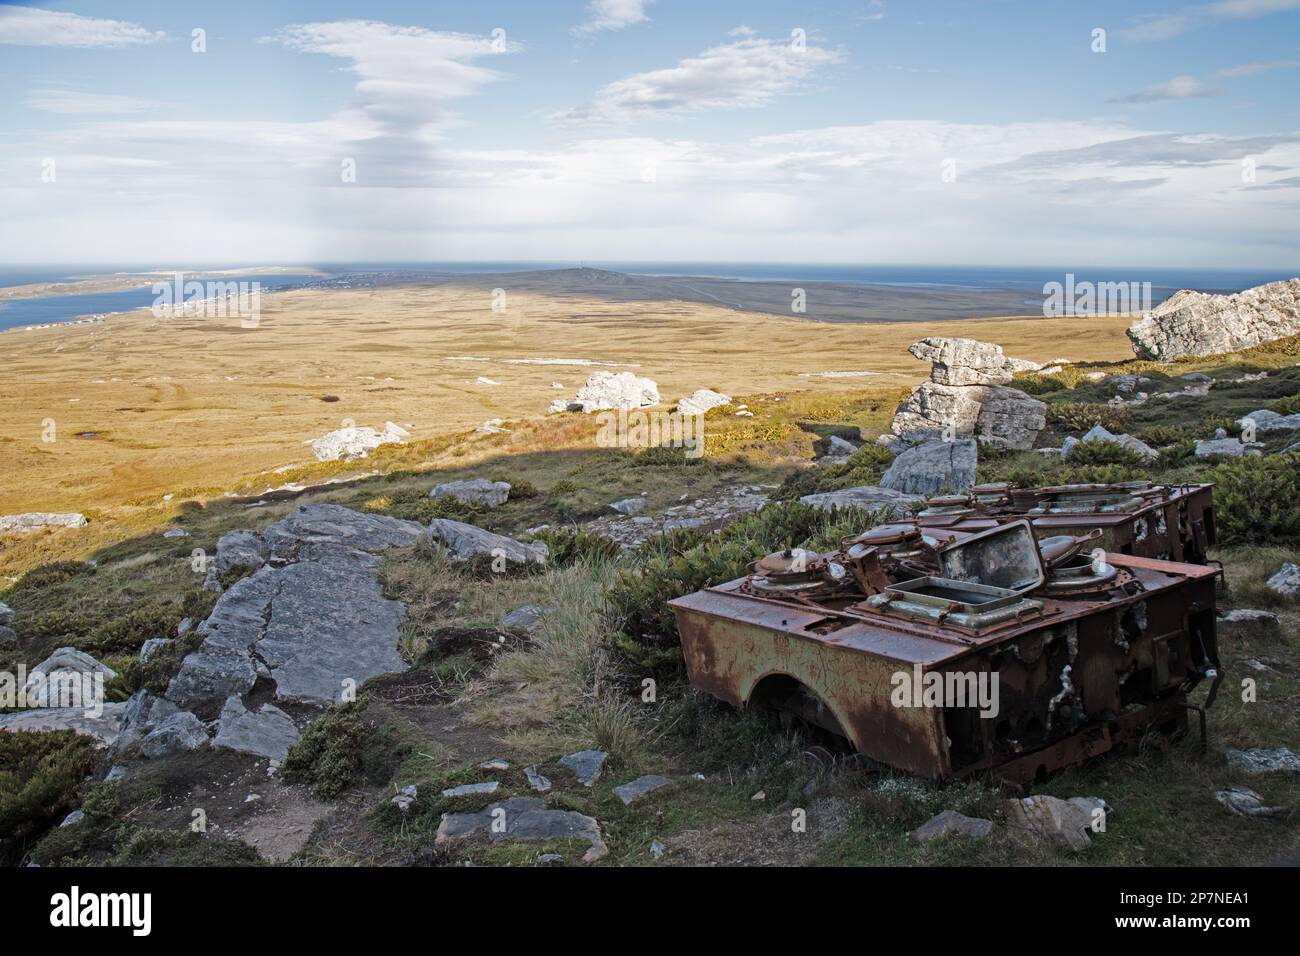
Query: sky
point(981, 132)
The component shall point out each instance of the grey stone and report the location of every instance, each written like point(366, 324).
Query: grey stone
point(474, 491)
point(239, 550)
point(64, 673)
point(1099, 434)
point(176, 533)
point(405, 797)
point(178, 733)
point(496, 763)
point(837, 447)
point(586, 765)
point(629, 506)
point(104, 728)
point(536, 780)
point(1286, 581)
point(1247, 803)
point(869, 497)
point(266, 732)
point(1051, 819)
point(933, 467)
point(1003, 417)
point(656, 849)
point(317, 529)
point(6, 614)
point(633, 791)
point(524, 818)
point(76, 816)
point(8, 637)
point(952, 823)
point(1224, 448)
point(1259, 760)
point(465, 541)
point(1198, 323)
point(523, 618)
point(472, 789)
point(152, 646)
point(39, 519)
point(1249, 616)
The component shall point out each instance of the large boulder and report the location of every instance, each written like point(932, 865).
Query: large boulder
point(963, 361)
point(66, 678)
point(610, 390)
point(465, 542)
point(1002, 416)
point(352, 443)
point(474, 491)
point(933, 467)
point(266, 732)
point(102, 726)
point(1198, 323)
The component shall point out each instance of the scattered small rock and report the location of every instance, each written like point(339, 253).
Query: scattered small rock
point(536, 780)
point(586, 765)
point(525, 818)
point(1248, 803)
point(631, 792)
point(405, 797)
point(495, 764)
point(472, 789)
point(474, 491)
point(1286, 581)
point(629, 506)
point(1258, 760)
point(952, 823)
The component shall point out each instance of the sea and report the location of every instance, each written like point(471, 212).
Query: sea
point(1028, 280)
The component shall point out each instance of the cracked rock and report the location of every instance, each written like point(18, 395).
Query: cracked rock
point(524, 818)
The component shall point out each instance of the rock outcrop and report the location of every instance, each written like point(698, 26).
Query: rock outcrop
point(933, 467)
point(610, 390)
point(1099, 434)
point(1198, 323)
point(464, 542)
point(474, 491)
point(352, 443)
point(870, 497)
point(33, 520)
point(966, 397)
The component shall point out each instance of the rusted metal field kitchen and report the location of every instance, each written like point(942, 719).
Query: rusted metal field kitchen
point(1092, 605)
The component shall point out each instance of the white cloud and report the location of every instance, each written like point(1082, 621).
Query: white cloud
point(1250, 69)
point(875, 10)
point(747, 73)
point(32, 26)
point(613, 15)
point(79, 102)
point(1177, 88)
point(1163, 26)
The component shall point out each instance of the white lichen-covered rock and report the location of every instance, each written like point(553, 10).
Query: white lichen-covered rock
point(612, 390)
point(33, 520)
point(1286, 581)
point(1004, 417)
point(6, 614)
point(1265, 420)
point(869, 497)
point(700, 401)
point(464, 542)
point(1224, 448)
point(1099, 434)
point(963, 361)
point(933, 467)
point(53, 678)
point(474, 491)
point(629, 506)
point(352, 442)
point(1198, 323)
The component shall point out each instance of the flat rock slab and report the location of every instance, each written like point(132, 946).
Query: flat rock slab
point(315, 616)
point(465, 542)
point(586, 765)
point(629, 793)
point(474, 491)
point(104, 728)
point(472, 789)
point(524, 818)
point(1258, 760)
point(180, 732)
point(1247, 803)
point(870, 497)
point(266, 732)
point(952, 823)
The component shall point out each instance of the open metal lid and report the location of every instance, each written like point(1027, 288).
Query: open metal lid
point(1003, 557)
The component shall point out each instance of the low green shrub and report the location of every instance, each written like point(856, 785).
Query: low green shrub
point(350, 745)
point(1081, 416)
point(1255, 500)
point(40, 776)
